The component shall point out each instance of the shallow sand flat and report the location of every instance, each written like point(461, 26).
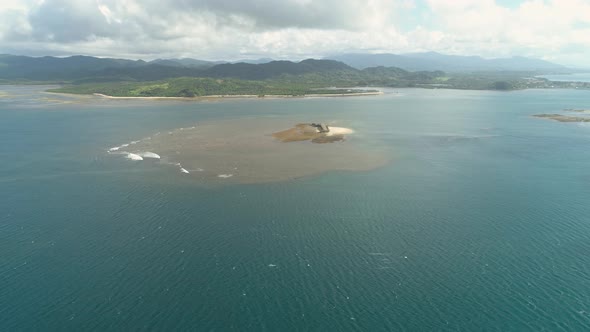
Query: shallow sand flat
point(563, 118)
point(244, 151)
point(577, 110)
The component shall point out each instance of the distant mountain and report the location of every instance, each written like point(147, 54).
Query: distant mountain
point(54, 68)
point(254, 61)
point(274, 69)
point(452, 63)
point(246, 71)
point(166, 62)
point(85, 69)
point(195, 63)
point(186, 62)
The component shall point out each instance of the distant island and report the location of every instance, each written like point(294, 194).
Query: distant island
point(566, 117)
point(191, 79)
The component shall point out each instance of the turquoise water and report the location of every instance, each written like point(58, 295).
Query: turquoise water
point(479, 222)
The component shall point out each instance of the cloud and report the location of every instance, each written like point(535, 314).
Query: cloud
point(556, 30)
point(533, 28)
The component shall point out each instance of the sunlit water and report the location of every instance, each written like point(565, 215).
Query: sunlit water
point(478, 219)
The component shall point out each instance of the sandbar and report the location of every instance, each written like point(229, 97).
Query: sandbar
point(246, 151)
point(310, 132)
point(563, 118)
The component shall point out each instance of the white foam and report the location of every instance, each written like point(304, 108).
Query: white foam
point(184, 170)
point(134, 142)
point(134, 156)
point(225, 176)
point(114, 148)
point(148, 154)
point(124, 145)
point(119, 152)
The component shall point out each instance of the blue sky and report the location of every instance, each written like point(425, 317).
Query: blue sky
point(509, 3)
point(554, 30)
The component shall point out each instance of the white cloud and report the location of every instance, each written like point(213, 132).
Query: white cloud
point(535, 28)
point(557, 30)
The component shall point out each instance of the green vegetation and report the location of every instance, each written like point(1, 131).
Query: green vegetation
point(197, 87)
point(85, 75)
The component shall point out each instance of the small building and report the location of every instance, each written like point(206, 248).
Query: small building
point(321, 127)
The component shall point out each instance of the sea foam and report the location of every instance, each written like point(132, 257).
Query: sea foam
point(134, 156)
point(148, 154)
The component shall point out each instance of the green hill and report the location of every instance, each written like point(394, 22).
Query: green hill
point(189, 77)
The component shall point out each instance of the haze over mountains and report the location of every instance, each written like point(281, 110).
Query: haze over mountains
point(410, 61)
point(108, 69)
point(449, 63)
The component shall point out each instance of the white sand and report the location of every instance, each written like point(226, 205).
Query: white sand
point(339, 131)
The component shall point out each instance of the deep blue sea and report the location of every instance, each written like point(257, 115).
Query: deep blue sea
point(480, 221)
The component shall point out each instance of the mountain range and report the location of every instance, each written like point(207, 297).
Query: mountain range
point(449, 63)
point(409, 61)
point(81, 69)
point(84, 69)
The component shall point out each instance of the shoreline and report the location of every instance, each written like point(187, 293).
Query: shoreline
point(352, 94)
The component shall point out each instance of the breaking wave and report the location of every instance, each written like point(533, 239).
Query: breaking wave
point(148, 154)
point(134, 156)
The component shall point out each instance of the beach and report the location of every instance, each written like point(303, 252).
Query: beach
point(352, 94)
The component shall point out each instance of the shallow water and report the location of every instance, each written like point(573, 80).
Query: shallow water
point(244, 150)
point(478, 222)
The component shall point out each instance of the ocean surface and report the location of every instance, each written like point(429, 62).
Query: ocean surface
point(479, 221)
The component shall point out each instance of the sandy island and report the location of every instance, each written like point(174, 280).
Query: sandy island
point(562, 118)
point(313, 133)
point(565, 117)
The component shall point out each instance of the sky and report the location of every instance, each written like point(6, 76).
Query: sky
point(554, 30)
